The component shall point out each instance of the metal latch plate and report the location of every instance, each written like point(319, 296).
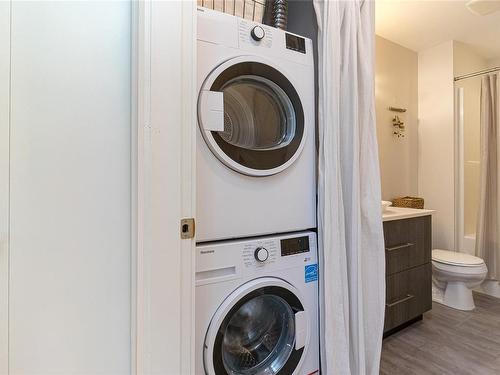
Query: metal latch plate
point(187, 228)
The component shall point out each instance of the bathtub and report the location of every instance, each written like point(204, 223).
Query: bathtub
point(489, 287)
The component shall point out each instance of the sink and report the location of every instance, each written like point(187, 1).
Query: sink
point(385, 205)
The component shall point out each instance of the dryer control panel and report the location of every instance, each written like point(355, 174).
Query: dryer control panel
point(255, 34)
point(295, 43)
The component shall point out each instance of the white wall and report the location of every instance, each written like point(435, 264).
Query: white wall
point(466, 60)
point(4, 181)
point(494, 62)
point(396, 85)
point(70, 188)
point(436, 140)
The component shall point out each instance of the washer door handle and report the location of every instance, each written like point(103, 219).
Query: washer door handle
point(212, 110)
point(300, 329)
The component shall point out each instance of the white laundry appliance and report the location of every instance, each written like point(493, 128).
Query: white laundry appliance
point(256, 139)
point(257, 306)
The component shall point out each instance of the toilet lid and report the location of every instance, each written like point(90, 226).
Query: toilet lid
point(455, 258)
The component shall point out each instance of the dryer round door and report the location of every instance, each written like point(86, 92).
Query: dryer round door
point(260, 329)
point(251, 117)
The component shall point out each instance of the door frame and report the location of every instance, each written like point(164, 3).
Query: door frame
point(164, 108)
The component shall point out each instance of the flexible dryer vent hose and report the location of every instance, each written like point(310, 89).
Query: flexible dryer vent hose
point(280, 13)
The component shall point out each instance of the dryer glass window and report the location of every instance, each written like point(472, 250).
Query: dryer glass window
point(258, 115)
point(263, 119)
point(259, 337)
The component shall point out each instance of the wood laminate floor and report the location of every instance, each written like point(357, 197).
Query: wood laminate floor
point(447, 341)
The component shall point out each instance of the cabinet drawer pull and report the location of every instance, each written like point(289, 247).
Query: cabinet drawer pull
point(404, 299)
point(397, 247)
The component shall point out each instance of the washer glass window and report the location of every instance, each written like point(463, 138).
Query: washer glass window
point(259, 337)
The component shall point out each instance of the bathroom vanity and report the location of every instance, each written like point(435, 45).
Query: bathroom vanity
point(408, 242)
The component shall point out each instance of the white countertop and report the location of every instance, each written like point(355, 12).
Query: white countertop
point(397, 213)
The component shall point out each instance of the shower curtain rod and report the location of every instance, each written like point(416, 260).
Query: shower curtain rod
point(479, 73)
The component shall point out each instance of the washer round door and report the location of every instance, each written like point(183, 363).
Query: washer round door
point(260, 329)
point(251, 117)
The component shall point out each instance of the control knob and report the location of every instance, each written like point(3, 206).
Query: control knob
point(258, 33)
point(261, 254)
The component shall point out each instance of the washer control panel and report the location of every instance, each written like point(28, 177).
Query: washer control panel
point(265, 252)
point(227, 260)
point(260, 253)
point(253, 257)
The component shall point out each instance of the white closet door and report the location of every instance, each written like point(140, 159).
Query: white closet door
point(70, 178)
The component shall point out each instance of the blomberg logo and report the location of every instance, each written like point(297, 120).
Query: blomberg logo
point(207, 251)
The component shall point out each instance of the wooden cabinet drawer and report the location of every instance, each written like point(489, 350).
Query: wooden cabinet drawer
point(407, 243)
point(408, 295)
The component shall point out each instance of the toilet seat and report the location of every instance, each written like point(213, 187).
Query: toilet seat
point(454, 258)
point(447, 272)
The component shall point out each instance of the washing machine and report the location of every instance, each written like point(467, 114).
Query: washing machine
point(257, 306)
point(256, 134)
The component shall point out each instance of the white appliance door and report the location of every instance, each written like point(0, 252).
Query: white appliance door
point(261, 328)
point(257, 127)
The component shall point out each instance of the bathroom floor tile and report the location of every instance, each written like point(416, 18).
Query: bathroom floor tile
point(447, 341)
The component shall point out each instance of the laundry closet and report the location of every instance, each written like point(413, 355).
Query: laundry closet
point(256, 294)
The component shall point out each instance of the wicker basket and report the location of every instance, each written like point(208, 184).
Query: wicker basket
point(409, 202)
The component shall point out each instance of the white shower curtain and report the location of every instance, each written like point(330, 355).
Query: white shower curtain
point(488, 223)
point(350, 223)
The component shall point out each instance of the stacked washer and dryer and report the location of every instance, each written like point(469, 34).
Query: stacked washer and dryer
point(256, 257)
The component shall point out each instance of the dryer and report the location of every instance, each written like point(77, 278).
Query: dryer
point(256, 134)
point(257, 306)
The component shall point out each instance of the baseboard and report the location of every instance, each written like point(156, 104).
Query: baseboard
point(403, 326)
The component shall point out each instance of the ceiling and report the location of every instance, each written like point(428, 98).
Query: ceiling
point(421, 24)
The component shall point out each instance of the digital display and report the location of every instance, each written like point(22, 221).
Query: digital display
point(295, 43)
point(297, 245)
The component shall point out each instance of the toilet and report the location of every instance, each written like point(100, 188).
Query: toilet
point(454, 275)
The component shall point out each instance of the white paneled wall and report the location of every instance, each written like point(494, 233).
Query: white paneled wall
point(70, 211)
